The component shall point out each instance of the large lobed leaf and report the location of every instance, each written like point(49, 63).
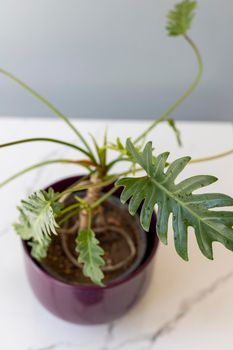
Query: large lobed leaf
point(90, 255)
point(37, 220)
point(180, 18)
point(187, 209)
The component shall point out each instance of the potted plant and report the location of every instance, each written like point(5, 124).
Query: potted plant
point(87, 259)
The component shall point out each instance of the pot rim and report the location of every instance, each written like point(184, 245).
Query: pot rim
point(109, 285)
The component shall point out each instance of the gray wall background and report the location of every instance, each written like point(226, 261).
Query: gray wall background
point(112, 58)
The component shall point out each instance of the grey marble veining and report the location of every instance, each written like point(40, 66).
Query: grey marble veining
point(147, 341)
point(57, 346)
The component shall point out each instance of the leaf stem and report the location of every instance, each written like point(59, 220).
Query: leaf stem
point(86, 187)
point(68, 216)
point(69, 208)
point(89, 217)
point(51, 107)
point(104, 197)
point(35, 166)
point(184, 96)
point(36, 139)
point(117, 160)
point(217, 156)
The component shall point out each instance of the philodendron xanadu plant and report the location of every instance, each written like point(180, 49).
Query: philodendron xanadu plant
point(43, 212)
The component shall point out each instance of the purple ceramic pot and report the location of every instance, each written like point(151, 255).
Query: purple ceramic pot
point(91, 304)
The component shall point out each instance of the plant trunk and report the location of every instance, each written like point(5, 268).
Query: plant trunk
point(91, 197)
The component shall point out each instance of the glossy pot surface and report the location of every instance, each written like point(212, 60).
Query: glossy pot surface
point(91, 304)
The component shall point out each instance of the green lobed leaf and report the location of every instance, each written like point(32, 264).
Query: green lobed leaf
point(180, 18)
point(187, 209)
point(90, 255)
point(39, 249)
point(37, 216)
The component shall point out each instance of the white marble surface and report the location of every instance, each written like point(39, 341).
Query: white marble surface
point(188, 305)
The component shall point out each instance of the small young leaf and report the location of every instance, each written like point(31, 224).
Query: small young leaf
point(119, 147)
point(37, 216)
point(180, 18)
point(90, 255)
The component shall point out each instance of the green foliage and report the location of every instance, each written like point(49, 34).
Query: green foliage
point(37, 216)
point(180, 18)
point(119, 147)
point(187, 209)
point(39, 249)
point(38, 213)
point(101, 150)
point(90, 255)
point(177, 133)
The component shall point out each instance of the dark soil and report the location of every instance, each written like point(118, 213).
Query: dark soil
point(112, 214)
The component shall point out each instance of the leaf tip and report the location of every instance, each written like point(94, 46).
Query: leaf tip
point(162, 238)
point(180, 17)
point(118, 183)
point(128, 141)
point(184, 256)
point(131, 211)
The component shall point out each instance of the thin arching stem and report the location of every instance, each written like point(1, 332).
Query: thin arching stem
point(45, 139)
point(68, 216)
point(81, 187)
point(70, 207)
point(104, 197)
point(184, 96)
point(117, 160)
point(50, 106)
point(216, 156)
point(38, 165)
